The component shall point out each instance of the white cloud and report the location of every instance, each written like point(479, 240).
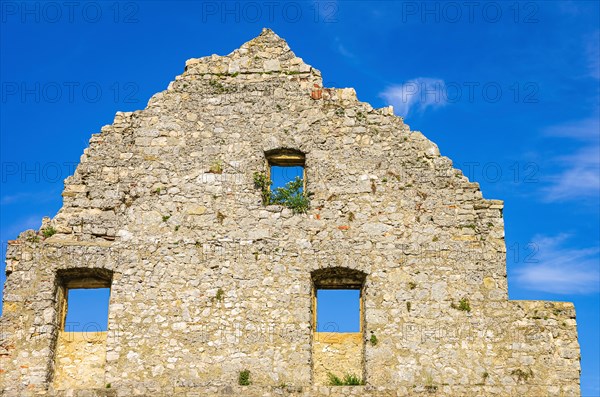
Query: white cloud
point(580, 179)
point(11, 231)
point(36, 197)
point(580, 175)
point(416, 95)
point(558, 269)
point(585, 129)
point(342, 49)
point(17, 197)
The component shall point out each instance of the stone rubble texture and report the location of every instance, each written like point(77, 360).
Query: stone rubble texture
point(207, 282)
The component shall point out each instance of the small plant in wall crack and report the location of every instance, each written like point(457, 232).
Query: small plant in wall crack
point(348, 380)
point(522, 375)
point(48, 231)
point(32, 239)
point(216, 167)
point(463, 305)
point(374, 341)
point(284, 385)
point(429, 385)
point(244, 378)
point(262, 182)
point(218, 87)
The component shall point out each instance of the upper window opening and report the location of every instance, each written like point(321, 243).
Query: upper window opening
point(281, 176)
point(285, 165)
point(285, 157)
point(285, 181)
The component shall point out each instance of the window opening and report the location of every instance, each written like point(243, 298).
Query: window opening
point(338, 310)
point(87, 310)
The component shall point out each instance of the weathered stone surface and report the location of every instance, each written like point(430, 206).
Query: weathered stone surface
point(207, 282)
point(80, 360)
point(338, 354)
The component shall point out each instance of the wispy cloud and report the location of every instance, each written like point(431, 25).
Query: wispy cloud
point(342, 49)
point(580, 179)
point(416, 95)
point(29, 197)
point(560, 269)
point(575, 175)
point(592, 52)
point(12, 231)
point(12, 198)
point(580, 175)
point(585, 129)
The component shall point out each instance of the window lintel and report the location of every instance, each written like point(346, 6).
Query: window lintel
point(285, 157)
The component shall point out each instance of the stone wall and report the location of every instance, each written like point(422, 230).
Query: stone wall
point(336, 353)
point(206, 281)
point(80, 360)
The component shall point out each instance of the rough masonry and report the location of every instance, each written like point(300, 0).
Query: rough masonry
point(206, 281)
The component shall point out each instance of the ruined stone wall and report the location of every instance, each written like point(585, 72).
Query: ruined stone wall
point(80, 360)
point(339, 354)
point(207, 282)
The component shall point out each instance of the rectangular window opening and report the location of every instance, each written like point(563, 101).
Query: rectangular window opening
point(86, 309)
point(287, 180)
point(83, 295)
point(282, 175)
point(338, 310)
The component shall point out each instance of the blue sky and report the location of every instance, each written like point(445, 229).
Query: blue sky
point(508, 90)
point(87, 310)
point(338, 310)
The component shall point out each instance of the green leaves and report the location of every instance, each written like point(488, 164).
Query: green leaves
point(348, 380)
point(290, 196)
point(244, 378)
point(263, 183)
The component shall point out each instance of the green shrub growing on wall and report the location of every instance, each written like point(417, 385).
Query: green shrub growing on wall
point(373, 340)
point(48, 232)
point(244, 378)
point(262, 182)
point(463, 305)
point(348, 380)
point(291, 196)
